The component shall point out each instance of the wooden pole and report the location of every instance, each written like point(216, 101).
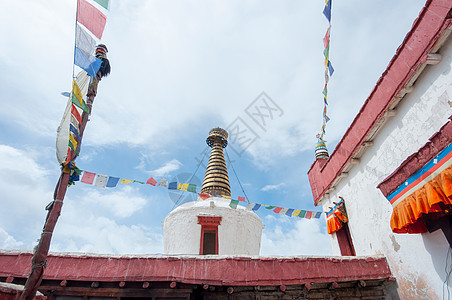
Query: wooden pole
point(39, 261)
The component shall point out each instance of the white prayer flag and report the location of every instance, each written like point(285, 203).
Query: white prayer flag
point(163, 183)
point(101, 180)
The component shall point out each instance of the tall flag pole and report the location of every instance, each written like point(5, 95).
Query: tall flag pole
point(90, 23)
point(328, 69)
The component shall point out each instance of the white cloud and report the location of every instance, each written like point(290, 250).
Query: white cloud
point(121, 202)
point(101, 234)
point(167, 168)
point(8, 242)
point(272, 187)
point(300, 237)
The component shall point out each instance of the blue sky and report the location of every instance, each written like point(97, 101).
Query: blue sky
point(180, 68)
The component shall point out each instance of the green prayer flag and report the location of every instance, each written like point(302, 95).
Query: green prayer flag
point(103, 3)
point(270, 207)
point(82, 106)
point(191, 188)
point(73, 148)
point(138, 181)
point(302, 214)
point(326, 52)
point(234, 203)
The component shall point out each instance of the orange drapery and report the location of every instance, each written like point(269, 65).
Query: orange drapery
point(405, 216)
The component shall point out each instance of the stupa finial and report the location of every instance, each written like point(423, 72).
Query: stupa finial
point(216, 180)
point(320, 148)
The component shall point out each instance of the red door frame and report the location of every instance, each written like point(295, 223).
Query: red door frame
point(209, 223)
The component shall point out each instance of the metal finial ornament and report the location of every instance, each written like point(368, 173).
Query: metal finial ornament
point(216, 180)
point(320, 149)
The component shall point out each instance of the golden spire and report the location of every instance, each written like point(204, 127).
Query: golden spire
point(216, 181)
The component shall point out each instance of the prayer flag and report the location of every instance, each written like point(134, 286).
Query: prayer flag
point(233, 204)
point(317, 215)
point(330, 68)
point(75, 132)
point(242, 199)
point(308, 214)
point(326, 119)
point(151, 181)
point(91, 18)
point(226, 196)
point(101, 180)
point(283, 211)
point(81, 104)
point(104, 3)
point(296, 212)
point(302, 214)
point(172, 185)
point(289, 212)
point(326, 76)
point(163, 183)
point(138, 181)
point(277, 210)
point(256, 207)
point(268, 207)
point(84, 41)
point(326, 39)
point(326, 53)
point(182, 186)
point(76, 114)
point(88, 177)
point(325, 90)
point(325, 100)
point(191, 188)
point(327, 11)
point(112, 181)
point(72, 143)
point(77, 92)
point(204, 196)
point(91, 65)
point(250, 206)
point(126, 181)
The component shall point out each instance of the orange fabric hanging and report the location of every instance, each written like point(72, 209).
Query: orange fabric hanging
point(333, 223)
point(405, 216)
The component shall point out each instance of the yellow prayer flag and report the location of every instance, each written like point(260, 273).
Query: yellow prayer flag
point(126, 181)
point(182, 186)
point(74, 142)
point(226, 197)
point(77, 92)
point(296, 212)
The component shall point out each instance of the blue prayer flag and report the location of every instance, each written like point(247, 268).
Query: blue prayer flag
point(112, 181)
point(75, 132)
point(289, 212)
point(330, 68)
point(317, 215)
point(172, 185)
point(91, 65)
point(327, 11)
point(256, 207)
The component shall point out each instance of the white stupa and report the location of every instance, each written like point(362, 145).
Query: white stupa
point(210, 225)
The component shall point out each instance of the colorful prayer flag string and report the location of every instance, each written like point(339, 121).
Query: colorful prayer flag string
point(106, 181)
point(329, 70)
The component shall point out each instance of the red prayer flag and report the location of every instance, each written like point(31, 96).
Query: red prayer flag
point(308, 214)
point(277, 209)
point(91, 18)
point(151, 181)
point(242, 199)
point(326, 39)
point(75, 113)
point(204, 196)
point(88, 177)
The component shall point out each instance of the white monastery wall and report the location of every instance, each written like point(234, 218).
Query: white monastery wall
point(239, 232)
point(417, 261)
